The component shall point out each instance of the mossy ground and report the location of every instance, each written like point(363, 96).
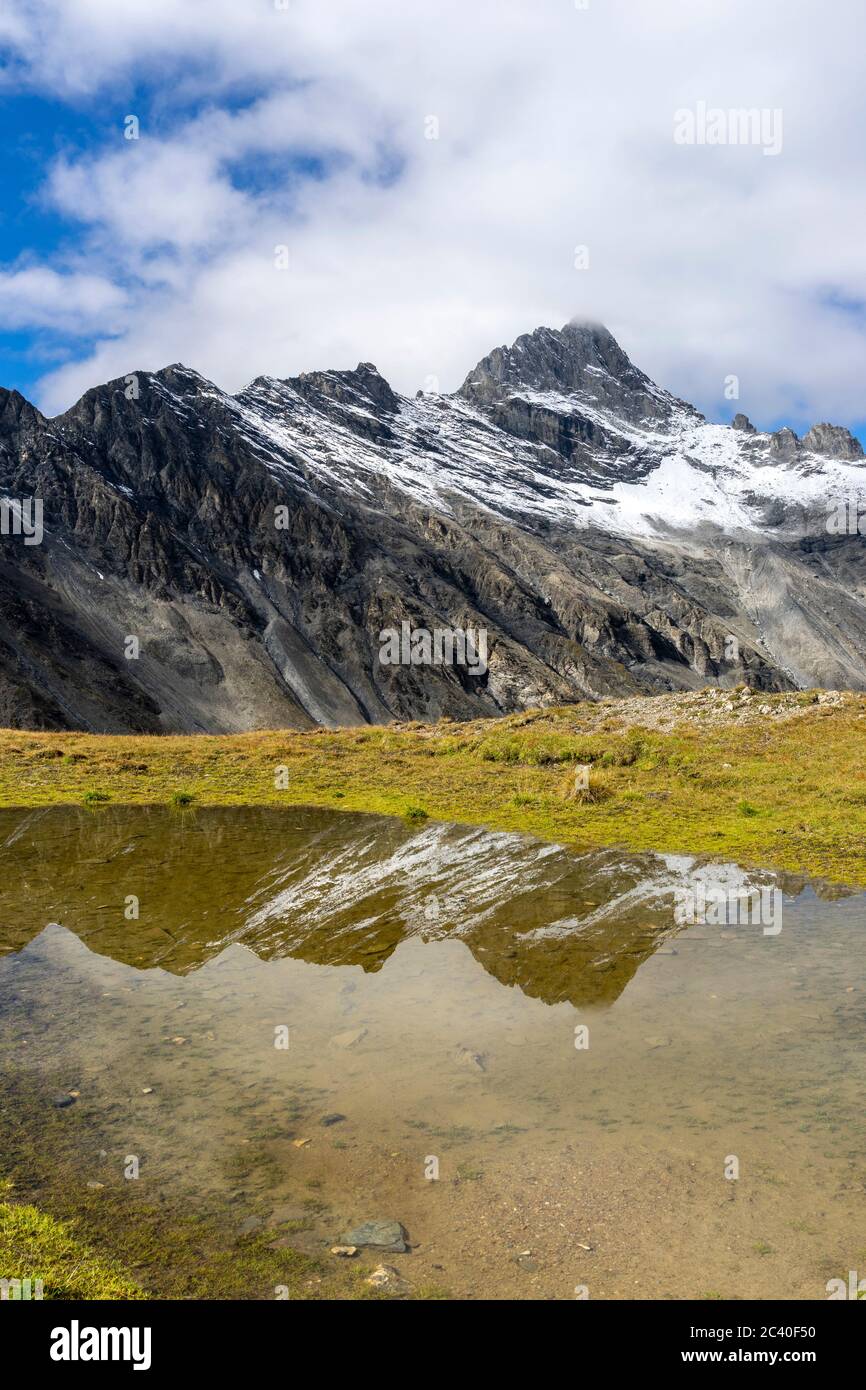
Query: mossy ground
point(119, 1244)
point(786, 790)
point(36, 1246)
point(157, 1255)
point(85, 1245)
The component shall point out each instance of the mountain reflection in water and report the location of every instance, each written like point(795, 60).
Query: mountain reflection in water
point(336, 888)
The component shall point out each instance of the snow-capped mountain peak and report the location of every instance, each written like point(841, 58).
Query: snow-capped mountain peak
point(606, 537)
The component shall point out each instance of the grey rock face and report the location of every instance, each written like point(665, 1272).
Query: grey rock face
point(530, 390)
point(784, 444)
point(743, 423)
point(834, 441)
point(603, 535)
point(582, 359)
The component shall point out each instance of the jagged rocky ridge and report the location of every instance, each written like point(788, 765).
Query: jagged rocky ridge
point(608, 538)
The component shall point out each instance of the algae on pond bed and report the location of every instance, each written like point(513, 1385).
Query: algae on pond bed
point(93, 1246)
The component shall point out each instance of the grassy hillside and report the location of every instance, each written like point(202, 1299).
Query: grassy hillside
point(778, 780)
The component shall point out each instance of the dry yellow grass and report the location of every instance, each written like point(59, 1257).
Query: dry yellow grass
point(785, 788)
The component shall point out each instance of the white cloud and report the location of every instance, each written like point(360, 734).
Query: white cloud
point(555, 129)
point(38, 297)
point(160, 193)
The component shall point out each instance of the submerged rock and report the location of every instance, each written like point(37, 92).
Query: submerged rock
point(350, 1038)
point(383, 1235)
point(386, 1277)
point(469, 1058)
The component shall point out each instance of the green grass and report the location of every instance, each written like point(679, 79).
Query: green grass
point(34, 1245)
point(789, 792)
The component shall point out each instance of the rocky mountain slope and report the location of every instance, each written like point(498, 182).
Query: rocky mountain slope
point(607, 538)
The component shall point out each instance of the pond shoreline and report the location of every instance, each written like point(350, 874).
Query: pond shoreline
point(233, 1036)
point(765, 780)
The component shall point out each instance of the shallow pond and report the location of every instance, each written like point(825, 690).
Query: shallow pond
point(294, 1018)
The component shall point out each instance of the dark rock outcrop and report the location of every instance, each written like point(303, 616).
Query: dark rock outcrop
point(212, 562)
point(834, 441)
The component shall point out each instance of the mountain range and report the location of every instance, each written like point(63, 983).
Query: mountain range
point(214, 562)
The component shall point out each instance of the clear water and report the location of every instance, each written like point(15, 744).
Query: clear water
point(430, 981)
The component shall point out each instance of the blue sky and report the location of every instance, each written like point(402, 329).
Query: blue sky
point(40, 130)
point(36, 129)
point(431, 172)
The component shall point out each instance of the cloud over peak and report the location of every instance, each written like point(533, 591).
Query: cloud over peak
point(317, 185)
